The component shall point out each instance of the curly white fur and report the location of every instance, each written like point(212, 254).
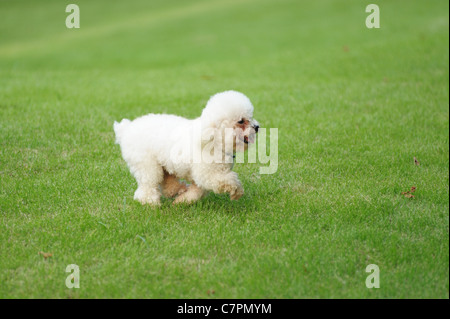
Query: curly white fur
point(161, 149)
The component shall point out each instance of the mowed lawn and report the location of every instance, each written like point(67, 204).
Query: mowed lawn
point(353, 107)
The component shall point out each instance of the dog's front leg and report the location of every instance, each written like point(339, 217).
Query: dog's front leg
point(219, 179)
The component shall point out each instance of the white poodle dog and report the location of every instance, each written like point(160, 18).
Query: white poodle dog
point(161, 149)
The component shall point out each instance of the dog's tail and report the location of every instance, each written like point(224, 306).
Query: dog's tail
point(119, 128)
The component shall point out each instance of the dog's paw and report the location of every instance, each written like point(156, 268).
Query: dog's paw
point(192, 194)
point(181, 199)
point(147, 198)
point(183, 189)
point(236, 193)
point(148, 201)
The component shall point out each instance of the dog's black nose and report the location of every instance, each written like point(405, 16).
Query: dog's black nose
point(256, 128)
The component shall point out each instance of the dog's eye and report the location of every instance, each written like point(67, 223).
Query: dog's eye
point(241, 122)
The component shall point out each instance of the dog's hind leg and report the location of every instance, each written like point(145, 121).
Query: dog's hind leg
point(193, 194)
point(171, 186)
point(149, 175)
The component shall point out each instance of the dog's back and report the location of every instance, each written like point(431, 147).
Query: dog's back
point(151, 135)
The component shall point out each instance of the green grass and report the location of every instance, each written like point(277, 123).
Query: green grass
point(352, 105)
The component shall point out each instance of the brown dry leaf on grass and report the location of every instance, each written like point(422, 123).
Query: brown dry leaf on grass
point(45, 255)
point(409, 194)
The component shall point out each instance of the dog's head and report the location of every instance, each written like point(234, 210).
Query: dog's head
point(229, 115)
